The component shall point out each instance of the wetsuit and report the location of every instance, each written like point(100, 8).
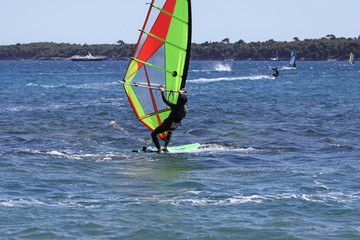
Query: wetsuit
point(178, 112)
point(276, 74)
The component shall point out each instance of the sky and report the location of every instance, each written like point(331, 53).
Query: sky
point(107, 21)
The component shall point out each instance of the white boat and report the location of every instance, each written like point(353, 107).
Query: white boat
point(88, 57)
point(275, 58)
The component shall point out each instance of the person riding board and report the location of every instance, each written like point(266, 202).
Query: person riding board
point(276, 74)
point(178, 112)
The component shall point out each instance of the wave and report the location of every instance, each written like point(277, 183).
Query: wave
point(222, 67)
point(95, 157)
point(201, 70)
point(26, 202)
point(208, 80)
point(221, 148)
point(92, 86)
point(45, 85)
point(219, 67)
point(196, 198)
point(115, 125)
point(286, 68)
point(98, 102)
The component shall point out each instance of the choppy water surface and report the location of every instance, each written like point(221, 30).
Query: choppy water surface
point(279, 159)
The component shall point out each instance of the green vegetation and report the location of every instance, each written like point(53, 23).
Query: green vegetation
point(326, 48)
point(329, 48)
point(62, 51)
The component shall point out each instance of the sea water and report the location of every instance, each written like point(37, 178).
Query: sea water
point(279, 158)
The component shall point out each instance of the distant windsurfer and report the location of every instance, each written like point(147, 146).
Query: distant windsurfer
point(276, 74)
point(178, 112)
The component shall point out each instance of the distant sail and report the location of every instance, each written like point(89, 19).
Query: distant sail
point(292, 61)
point(161, 59)
point(352, 60)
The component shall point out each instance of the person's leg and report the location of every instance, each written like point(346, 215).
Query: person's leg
point(160, 129)
point(156, 141)
point(167, 139)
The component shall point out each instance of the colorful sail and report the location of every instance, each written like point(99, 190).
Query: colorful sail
point(352, 60)
point(161, 59)
point(292, 61)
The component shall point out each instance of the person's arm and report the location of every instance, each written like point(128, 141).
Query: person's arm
point(165, 100)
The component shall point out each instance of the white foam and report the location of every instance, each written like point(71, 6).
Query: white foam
point(202, 70)
point(92, 85)
point(114, 125)
point(99, 85)
point(97, 157)
point(45, 85)
point(241, 200)
point(208, 80)
point(287, 68)
point(19, 203)
point(223, 67)
point(258, 199)
point(219, 67)
point(221, 148)
point(321, 185)
point(7, 204)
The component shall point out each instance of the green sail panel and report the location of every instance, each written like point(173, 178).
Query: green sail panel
point(161, 58)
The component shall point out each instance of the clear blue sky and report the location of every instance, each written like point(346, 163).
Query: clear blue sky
point(106, 21)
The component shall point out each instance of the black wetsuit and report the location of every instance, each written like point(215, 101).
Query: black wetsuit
point(276, 74)
point(178, 112)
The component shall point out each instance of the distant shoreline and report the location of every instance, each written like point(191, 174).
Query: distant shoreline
point(324, 49)
point(125, 60)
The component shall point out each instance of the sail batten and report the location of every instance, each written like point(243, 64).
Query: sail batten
point(163, 40)
point(154, 113)
point(162, 10)
point(161, 59)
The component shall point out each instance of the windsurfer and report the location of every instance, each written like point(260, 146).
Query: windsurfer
point(276, 74)
point(178, 112)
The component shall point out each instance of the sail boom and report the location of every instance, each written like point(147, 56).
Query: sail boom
point(145, 85)
point(152, 65)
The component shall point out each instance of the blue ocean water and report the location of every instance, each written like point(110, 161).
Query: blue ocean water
point(279, 158)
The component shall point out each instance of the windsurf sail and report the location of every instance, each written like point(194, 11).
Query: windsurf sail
point(161, 59)
point(352, 60)
point(292, 61)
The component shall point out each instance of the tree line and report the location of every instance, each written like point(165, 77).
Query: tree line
point(326, 48)
point(64, 51)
